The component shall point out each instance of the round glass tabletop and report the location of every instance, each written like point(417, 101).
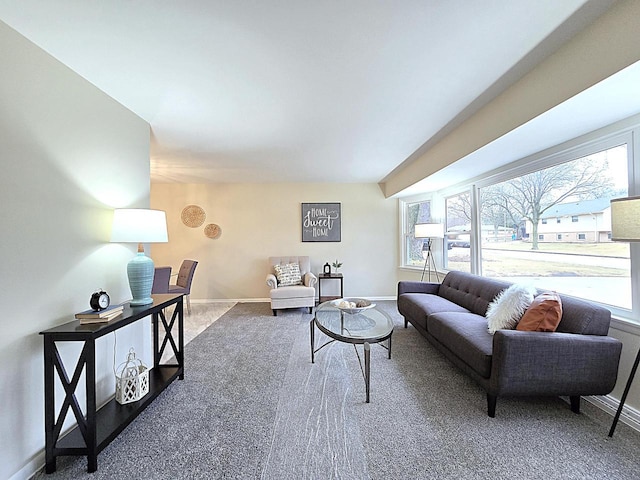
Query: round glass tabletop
point(370, 325)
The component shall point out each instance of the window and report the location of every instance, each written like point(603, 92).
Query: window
point(579, 187)
point(458, 232)
point(416, 212)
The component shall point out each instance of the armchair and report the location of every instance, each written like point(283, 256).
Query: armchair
point(292, 296)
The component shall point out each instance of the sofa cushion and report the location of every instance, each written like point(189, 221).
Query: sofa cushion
point(418, 306)
point(508, 307)
point(288, 274)
point(294, 291)
point(543, 315)
point(470, 291)
point(464, 334)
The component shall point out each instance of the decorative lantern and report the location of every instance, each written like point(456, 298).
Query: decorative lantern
point(327, 269)
point(132, 379)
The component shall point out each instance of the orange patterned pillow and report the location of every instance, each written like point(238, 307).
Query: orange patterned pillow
point(543, 315)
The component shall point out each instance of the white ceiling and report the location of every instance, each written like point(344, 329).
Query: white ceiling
point(297, 90)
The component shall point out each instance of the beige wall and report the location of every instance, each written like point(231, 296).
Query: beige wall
point(69, 154)
point(264, 220)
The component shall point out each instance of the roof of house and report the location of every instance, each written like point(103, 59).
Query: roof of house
point(577, 208)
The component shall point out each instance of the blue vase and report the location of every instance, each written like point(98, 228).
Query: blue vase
point(140, 272)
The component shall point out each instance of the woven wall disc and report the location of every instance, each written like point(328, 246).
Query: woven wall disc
point(193, 216)
point(212, 230)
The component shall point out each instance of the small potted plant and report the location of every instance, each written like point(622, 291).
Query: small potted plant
point(336, 265)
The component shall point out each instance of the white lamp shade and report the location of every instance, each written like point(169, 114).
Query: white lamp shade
point(139, 225)
point(429, 230)
point(625, 219)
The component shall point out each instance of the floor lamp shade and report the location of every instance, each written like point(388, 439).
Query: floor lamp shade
point(625, 219)
point(138, 225)
point(429, 230)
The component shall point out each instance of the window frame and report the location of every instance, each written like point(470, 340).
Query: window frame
point(567, 152)
point(625, 131)
point(404, 205)
point(558, 156)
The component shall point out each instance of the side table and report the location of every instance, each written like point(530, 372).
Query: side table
point(329, 276)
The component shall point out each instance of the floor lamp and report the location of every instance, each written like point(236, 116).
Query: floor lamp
point(625, 227)
point(428, 231)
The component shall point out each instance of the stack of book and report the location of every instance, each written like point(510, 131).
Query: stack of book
point(100, 316)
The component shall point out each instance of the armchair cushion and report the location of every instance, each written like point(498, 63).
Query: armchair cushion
point(288, 274)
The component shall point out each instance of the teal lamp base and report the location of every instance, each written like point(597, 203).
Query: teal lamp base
point(140, 271)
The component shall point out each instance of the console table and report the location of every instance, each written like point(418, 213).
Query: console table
point(100, 426)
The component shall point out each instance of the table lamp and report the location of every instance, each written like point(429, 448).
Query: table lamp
point(139, 225)
point(428, 231)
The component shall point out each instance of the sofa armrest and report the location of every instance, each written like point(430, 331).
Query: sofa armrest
point(310, 279)
point(545, 363)
point(417, 287)
point(271, 281)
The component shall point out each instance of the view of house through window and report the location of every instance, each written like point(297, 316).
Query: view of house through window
point(458, 232)
point(418, 212)
point(553, 227)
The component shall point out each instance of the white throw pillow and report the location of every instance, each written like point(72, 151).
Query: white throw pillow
point(507, 308)
point(288, 274)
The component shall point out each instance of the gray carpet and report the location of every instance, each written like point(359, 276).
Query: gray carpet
point(253, 406)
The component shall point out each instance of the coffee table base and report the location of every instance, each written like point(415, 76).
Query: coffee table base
point(366, 371)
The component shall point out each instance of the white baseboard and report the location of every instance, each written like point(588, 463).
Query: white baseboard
point(629, 416)
point(31, 468)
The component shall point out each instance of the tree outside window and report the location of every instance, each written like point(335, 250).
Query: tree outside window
point(417, 212)
point(458, 232)
point(517, 241)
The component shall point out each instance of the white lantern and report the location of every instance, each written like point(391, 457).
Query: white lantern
point(132, 379)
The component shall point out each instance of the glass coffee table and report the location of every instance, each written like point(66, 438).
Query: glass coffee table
point(358, 326)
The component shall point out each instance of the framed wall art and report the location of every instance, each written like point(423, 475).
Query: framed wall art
point(321, 222)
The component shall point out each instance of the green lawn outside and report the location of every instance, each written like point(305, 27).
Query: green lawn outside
point(515, 259)
point(605, 249)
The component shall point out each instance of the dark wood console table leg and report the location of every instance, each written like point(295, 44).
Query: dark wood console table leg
point(91, 432)
point(49, 414)
point(53, 423)
point(159, 318)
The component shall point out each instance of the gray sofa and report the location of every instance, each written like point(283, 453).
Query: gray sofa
point(578, 359)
